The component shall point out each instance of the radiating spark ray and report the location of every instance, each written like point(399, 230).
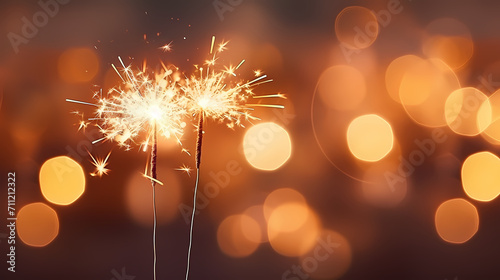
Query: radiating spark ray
point(212, 45)
point(81, 102)
point(118, 72)
point(257, 79)
point(241, 63)
point(98, 140)
point(266, 105)
point(152, 179)
point(279, 95)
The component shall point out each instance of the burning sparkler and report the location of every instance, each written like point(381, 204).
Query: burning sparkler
point(215, 94)
point(141, 109)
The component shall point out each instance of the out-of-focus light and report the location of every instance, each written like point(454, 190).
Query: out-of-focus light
point(370, 137)
point(37, 224)
point(357, 27)
point(424, 90)
point(238, 236)
point(449, 40)
point(468, 111)
point(342, 87)
point(267, 146)
point(62, 180)
point(456, 220)
point(453, 50)
point(78, 65)
point(279, 197)
point(395, 73)
point(292, 229)
point(492, 132)
point(168, 197)
point(330, 258)
point(480, 176)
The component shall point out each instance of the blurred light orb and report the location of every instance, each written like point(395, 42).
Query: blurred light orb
point(292, 229)
point(330, 258)
point(238, 236)
point(78, 65)
point(267, 146)
point(139, 193)
point(424, 90)
point(342, 87)
point(62, 180)
point(481, 176)
point(456, 220)
point(356, 27)
point(37, 224)
point(449, 40)
point(455, 51)
point(279, 197)
point(395, 73)
point(468, 111)
point(370, 137)
point(492, 132)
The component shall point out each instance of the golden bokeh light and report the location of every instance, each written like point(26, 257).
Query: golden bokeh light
point(424, 90)
point(456, 220)
point(267, 146)
point(238, 236)
point(62, 180)
point(330, 258)
point(342, 87)
point(37, 224)
point(395, 73)
point(138, 196)
point(292, 229)
point(492, 132)
point(356, 27)
point(78, 65)
point(468, 111)
point(279, 197)
point(370, 137)
point(480, 176)
point(453, 50)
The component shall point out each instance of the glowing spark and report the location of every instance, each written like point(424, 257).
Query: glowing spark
point(167, 47)
point(186, 151)
point(133, 109)
point(82, 125)
point(100, 165)
point(257, 73)
point(152, 179)
point(185, 168)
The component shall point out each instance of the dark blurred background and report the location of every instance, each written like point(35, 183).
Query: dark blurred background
point(108, 229)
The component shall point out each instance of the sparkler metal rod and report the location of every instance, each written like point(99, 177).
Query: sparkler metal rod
point(153, 183)
point(199, 140)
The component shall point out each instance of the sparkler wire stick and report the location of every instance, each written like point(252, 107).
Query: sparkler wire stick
point(212, 94)
point(153, 184)
point(199, 141)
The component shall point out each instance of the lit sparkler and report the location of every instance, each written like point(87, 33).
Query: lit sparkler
point(216, 94)
point(137, 113)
